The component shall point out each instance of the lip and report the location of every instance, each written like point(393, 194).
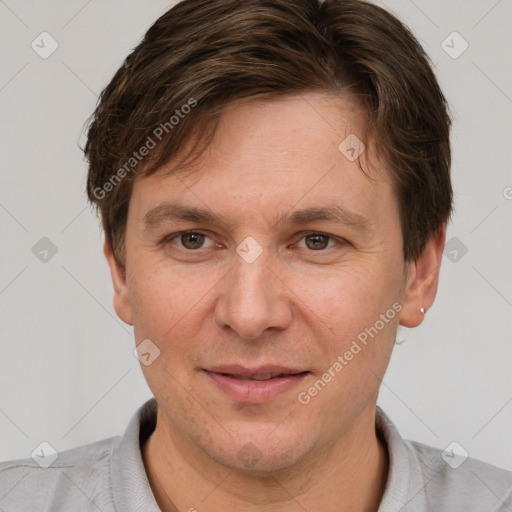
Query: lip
point(253, 391)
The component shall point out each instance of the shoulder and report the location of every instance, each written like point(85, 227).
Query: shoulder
point(423, 478)
point(78, 478)
point(453, 481)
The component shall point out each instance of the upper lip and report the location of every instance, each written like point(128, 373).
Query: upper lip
point(242, 371)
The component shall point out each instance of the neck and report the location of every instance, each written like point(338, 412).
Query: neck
point(348, 474)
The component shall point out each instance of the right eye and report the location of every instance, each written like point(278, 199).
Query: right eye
point(189, 240)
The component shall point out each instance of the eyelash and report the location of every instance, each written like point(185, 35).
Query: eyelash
point(302, 234)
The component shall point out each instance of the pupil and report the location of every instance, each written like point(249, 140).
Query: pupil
point(317, 238)
point(195, 238)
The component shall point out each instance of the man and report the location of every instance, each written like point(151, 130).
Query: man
point(273, 181)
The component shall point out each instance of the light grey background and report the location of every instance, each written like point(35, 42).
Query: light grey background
point(67, 372)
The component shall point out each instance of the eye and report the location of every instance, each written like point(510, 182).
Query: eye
point(317, 241)
point(190, 240)
point(195, 240)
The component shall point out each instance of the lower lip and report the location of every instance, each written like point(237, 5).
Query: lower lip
point(255, 391)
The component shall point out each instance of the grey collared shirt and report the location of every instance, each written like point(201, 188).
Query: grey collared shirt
point(109, 476)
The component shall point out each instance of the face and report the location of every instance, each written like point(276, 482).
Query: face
point(276, 257)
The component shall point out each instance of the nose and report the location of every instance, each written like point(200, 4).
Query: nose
point(254, 298)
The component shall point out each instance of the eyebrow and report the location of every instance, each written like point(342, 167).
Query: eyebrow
point(332, 213)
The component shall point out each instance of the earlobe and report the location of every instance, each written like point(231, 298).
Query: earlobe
point(121, 300)
point(422, 281)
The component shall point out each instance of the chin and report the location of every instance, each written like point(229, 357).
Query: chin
point(256, 452)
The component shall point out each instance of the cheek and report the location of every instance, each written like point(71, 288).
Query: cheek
point(357, 355)
point(163, 299)
point(173, 310)
point(360, 314)
point(347, 298)
point(165, 311)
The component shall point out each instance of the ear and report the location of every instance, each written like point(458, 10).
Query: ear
point(422, 279)
point(121, 298)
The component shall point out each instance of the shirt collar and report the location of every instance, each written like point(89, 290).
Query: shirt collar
point(130, 486)
point(400, 471)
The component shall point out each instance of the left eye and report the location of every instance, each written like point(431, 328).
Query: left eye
point(317, 241)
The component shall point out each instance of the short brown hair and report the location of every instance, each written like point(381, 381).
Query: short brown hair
point(202, 56)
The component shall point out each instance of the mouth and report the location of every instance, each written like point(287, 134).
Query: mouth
point(260, 377)
point(256, 385)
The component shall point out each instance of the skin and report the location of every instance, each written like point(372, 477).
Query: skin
point(293, 306)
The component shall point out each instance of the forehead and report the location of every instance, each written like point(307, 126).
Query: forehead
point(275, 154)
